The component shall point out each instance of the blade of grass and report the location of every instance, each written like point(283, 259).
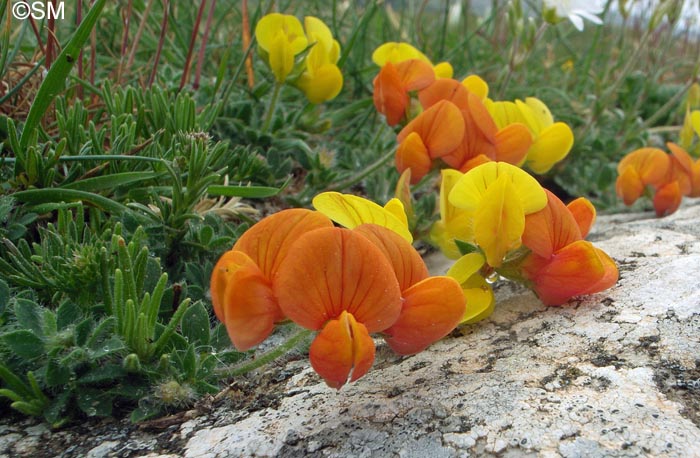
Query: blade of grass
point(50, 195)
point(56, 77)
point(111, 181)
point(243, 191)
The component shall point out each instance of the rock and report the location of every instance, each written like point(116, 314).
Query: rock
point(613, 374)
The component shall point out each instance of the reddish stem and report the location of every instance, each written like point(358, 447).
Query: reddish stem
point(193, 38)
point(203, 46)
point(246, 43)
point(51, 40)
point(78, 20)
point(161, 40)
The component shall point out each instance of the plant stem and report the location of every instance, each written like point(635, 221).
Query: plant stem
point(161, 40)
point(373, 167)
point(271, 107)
point(268, 356)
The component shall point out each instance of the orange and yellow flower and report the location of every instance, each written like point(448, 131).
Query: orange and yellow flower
point(561, 264)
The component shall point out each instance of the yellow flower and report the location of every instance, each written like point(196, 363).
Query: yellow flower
point(477, 292)
point(321, 79)
point(399, 52)
point(351, 211)
point(551, 141)
point(280, 37)
point(455, 223)
point(500, 195)
point(477, 86)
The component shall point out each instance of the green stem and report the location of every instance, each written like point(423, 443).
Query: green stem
point(268, 356)
point(271, 107)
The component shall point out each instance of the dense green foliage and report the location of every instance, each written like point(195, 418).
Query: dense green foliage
point(117, 198)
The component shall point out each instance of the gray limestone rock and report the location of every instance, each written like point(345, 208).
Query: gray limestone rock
point(612, 374)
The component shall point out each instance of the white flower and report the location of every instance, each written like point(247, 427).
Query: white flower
point(575, 10)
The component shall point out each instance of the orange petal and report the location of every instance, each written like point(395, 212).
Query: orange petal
point(330, 270)
point(629, 185)
point(610, 276)
point(441, 127)
point(268, 241)
point(342, 350)
point(584, 214)
point(691, 168)
point(444, 89)
point(413, 155)
point(571, 271)
point(227, 264)
point(512, 143)
point(431, 310)
point(415, 74)
point(248, 307)
point(551, 228)
point(483, 119)
point(667, 199)
point(390, 97)
point(407, 263)
point(651, 165)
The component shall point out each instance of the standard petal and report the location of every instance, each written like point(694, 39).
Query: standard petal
point(281, 58)
point(415, 74)
point(323, 85)
point(432, 308)
point(651, 164)
point(396, 52)
point(551, 146)
point(412, 156)
point(667, 199)
point(477, 86)
point(444, 89)
point(330, 270)
point(584, 214)
point(407, 263)
point(629, 185)
point(342, 350)
point(268, 241)
point(512, 143)
point(351, 211)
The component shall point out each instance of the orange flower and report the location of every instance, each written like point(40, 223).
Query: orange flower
point(241, 282)
point(690, 168)
point(561, 264)
point(394, 82)
point(448, 104)
point(641, 167)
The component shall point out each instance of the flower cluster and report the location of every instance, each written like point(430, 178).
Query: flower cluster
point(344, 283)
point(455, 124)
point(281, 38)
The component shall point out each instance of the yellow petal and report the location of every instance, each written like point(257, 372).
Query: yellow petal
point(542, 115)
point(499, 220)
point(476, 86)
point(551, 146)
point(505, 113)
point(480, 299)
point(471, 189)
point(281, 58)
point(268, 28)
point(443, 70)
point(323, 84)
point(396, 52)
point(351, 211)
point(318, 32)
point(403, 193)
point(466, 266)
point(695, 121)
point(395, 207)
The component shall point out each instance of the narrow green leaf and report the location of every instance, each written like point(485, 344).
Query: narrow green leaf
point(52, 195)
point(243, 191)
point(55, 79)
point(112, 181)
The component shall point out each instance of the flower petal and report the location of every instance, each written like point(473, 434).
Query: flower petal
point(629, 185)
point(248, 307)
point(412, 156)
point(444, 89)
point(351, 211)
point(432, 308)
point(324, 84)
point(551, 146)
point(551, 228)
point(480, 299)
point(342, 350)
point(330, 270)
point(477, 86)
point(415, 74)
point(405, 260)
point(466, 266)
point(441, 128)
point(584, 214)
point(268, 241)
point(390, 97)
point(512, 143)
point(396, 52)
point(667, 199)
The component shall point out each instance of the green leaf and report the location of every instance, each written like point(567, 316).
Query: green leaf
point(57, 195)
point(82, 331)
point(465, 247)
point(112, 181)
point(108, 347)
point(195, 324)
point(55, 79)
point(4, 296)
point(24, 343)
point(106, 373)
point(243, 191)
point(95, 403)
point(144, 412)
point(189, 363)
point(67, 314)
point(29, 316)
point(54, 412)
point(57, 374)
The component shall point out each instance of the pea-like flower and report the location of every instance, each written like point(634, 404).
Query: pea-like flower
point(321, 79)
point(280, 38)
